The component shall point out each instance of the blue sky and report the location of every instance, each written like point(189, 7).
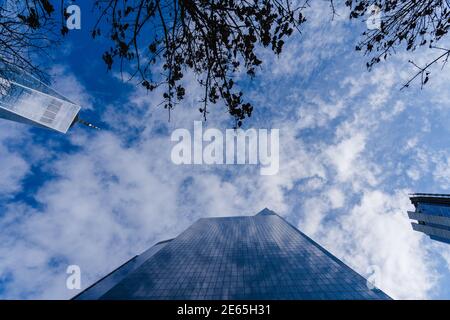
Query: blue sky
point(352, 146)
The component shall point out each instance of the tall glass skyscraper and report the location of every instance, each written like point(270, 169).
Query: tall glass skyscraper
point(26, 99)
point(432, 214)
point(250, 257)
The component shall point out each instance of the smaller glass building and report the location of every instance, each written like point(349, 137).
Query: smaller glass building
point(432, 215)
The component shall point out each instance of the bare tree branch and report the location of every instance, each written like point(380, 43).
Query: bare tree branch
point(405, 23)
point(213, 38)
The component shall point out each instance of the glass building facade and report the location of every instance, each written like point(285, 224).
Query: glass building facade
point(248, 257)
point(432, 213)
point(25, 99)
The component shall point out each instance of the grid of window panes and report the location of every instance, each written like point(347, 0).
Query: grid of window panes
point(434, 209)
point(436, 228)
point(259, 257)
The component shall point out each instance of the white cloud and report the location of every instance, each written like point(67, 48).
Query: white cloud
point(13, 167)
point(345, 154)
point(377, 232)
point(69, 86)
point(336, 198)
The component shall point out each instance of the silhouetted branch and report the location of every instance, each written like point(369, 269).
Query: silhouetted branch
point(26, 28)
point(213, 38)
point(412, 23)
